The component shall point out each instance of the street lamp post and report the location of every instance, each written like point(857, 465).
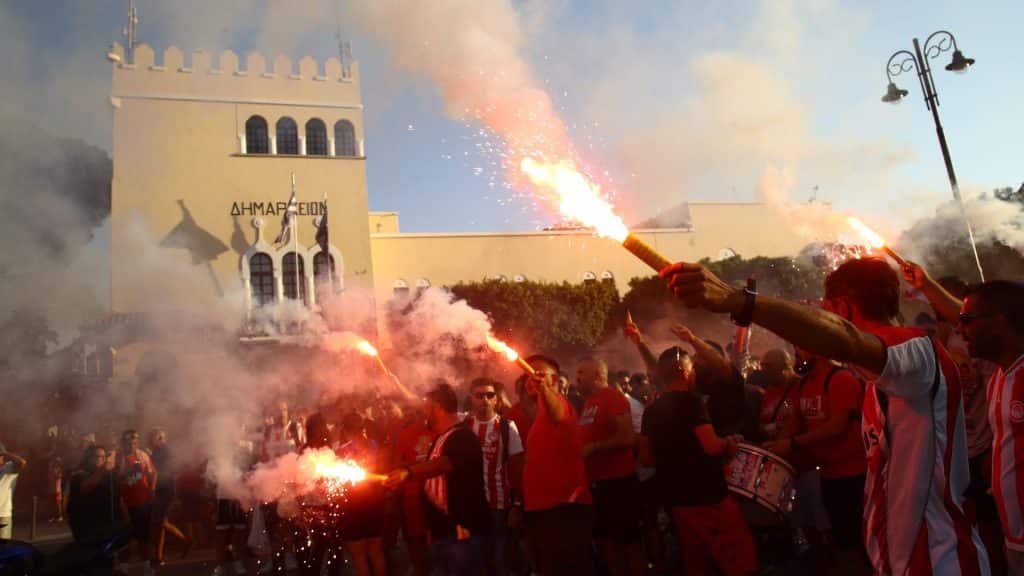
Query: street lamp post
point(905, 61)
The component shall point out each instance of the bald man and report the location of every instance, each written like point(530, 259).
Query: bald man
point(608, 445)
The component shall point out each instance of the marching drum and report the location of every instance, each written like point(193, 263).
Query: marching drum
point(764, 484)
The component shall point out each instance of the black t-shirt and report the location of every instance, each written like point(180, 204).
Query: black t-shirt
point(726, 401)
point(161, 458)
point(686, 476)
point(464, 488)
point(93, 515)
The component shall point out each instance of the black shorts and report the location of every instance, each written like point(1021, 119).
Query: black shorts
point(618, 509)
point(140, 518)
point(230, 514)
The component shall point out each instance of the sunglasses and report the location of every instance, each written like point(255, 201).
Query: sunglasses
point(967, 317)
point(487, 395)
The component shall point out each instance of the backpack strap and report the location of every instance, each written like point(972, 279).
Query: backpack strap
point(504, 430)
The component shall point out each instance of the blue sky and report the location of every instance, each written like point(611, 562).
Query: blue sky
point(679, 100)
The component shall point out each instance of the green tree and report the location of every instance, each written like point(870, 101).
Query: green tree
point(559, 319)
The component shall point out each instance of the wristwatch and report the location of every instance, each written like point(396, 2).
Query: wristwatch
point(745, 316)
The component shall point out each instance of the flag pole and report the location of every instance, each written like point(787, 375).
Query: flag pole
point(327, 255)
point(295, 242)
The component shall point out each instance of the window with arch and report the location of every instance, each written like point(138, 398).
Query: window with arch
point(261, 279)
point(726, 253)
point(256, 138)
point(344, 138)
point(324, 279)
point(287, 136)
point(400, 289)
point(422, 284)
point(607, 276)
point(519, 278)
point(316, 137)
point(589, 277)
point(288, 276)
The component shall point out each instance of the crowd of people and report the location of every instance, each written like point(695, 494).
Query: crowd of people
point(899, 442)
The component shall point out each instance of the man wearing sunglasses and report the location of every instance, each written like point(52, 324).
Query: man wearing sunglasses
point(992, 323)
point(503, 468)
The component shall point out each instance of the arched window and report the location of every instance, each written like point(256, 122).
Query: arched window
point(323, 281)
point(726, 253)
point(288, 277)
point(256, 140)
point(423, 283)
point(287, 136)
point(607, 276)
point(519, 278)
point(316, 137)
point(344, 138)
point(401, 289)
point(261, 279)
point(589, 277)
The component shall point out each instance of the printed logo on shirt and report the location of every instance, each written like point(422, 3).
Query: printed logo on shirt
point(812, 407)
point(588, 416)
point(1016, 411)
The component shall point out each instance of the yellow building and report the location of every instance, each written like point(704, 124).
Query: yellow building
point(203, 154)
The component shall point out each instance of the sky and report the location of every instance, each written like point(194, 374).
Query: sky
point(668, 101)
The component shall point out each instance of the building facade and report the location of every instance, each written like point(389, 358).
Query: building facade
point(204, 153)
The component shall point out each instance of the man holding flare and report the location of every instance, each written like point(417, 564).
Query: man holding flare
point(913, 418)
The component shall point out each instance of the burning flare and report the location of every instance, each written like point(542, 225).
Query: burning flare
point(581, 200)
point(365, 347)
point(509, 353)
point(325, 466)
point(874, 239)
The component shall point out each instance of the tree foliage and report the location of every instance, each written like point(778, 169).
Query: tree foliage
point(560, 319)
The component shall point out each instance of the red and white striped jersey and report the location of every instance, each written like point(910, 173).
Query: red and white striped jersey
point(495, 472)
point(916, 443)
point(436, 488)
point(1006, 418)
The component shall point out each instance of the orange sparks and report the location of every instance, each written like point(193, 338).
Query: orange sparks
point(874, 239)
point(509, 353)
point(366, 348)
point(334, 471)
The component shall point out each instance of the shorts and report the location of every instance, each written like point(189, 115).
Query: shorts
point(230, 514)
point(618, 509)
point(715, 533)
point(140, 518)
point(561, 537)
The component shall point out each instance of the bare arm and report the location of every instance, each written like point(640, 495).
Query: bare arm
point(549, 400)
point(650, 360)
point(712, 443)
point(945, 304)
point(718, 363)
point(19, 462)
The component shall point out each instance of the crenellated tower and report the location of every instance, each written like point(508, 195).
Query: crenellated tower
point(204, 151)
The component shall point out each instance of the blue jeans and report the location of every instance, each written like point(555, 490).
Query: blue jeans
point(453, 557)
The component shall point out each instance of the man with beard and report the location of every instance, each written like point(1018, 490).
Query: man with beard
point(559, 515)
point(913, 418)
point(503, 469)
point(992, 322)
point(137, 484)
point(95, 509)
point(455, 503)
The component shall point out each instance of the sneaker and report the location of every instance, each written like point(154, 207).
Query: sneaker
point(217, 571)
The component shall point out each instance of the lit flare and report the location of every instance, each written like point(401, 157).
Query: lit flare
point(509, 353)
point(580, 199)
point(366, 348)
point(874, 239)
point(335, 472)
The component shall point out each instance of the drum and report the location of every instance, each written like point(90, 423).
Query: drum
point(764, 484)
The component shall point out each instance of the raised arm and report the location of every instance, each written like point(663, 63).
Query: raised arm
point(718, 363)
point(945, 304)
point(806, 327)
point(650, 360)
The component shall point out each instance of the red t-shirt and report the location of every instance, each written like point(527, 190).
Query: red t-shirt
point(134, 479)
point(518, 415)
point(554, 473)
point(770, 407)
point(598, 425)
point(843, 456)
